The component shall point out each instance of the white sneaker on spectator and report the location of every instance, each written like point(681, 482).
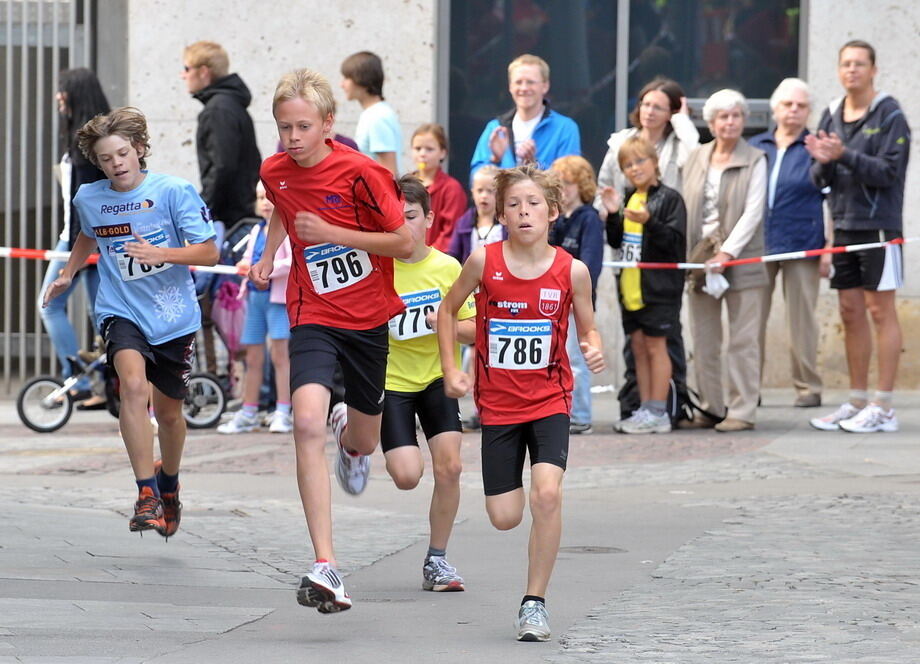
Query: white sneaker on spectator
point(832, 421)
point(242, 422)
point(871, 419)
point(280, 422)
point(647, 422)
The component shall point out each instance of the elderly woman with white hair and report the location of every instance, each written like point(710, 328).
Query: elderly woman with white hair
point(794, 221)
point(725, 185)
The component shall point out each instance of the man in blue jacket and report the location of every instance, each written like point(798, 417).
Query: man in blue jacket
point(861, 151)
point(531, 132)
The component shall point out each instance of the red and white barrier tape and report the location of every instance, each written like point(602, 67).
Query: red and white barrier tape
point(772, 258)
point(48, 255)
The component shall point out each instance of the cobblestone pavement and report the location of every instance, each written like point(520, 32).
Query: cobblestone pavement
point(797, 579)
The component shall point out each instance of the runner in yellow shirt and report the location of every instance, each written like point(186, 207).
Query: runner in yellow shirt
point(415, 384)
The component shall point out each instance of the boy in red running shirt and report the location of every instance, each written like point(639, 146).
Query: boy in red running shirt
point(523, 378)
point(343, 215)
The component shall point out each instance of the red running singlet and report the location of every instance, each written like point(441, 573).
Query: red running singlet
point(522, 369)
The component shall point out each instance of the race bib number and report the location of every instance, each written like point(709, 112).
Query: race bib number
point(130, 268)
point(333, 267)
point(520, 344)
point(412, 323)
point(631, 247)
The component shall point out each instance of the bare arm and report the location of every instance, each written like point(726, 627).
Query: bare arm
point(312, 229)
point(82, 248)
point(388, 161)
point(589, 339)
point(456, 382)
point(261, 272)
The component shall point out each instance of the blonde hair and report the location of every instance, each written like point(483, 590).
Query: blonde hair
point(577, 170)
point(489, 170)
point(127, 122)
point(547, 181)
point(636, 146)
point(308, 85)
point(208, 54)
point(528, 59)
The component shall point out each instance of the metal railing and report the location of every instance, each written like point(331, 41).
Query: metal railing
point(38, 39)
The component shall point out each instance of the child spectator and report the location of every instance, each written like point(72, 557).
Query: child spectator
point(579, 231)
point(448, 200)
point(526, 289)
point(266, 315)
point(378, 133)
point(652, 228)
point(479, 225)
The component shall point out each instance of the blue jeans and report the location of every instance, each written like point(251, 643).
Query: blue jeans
point(581, 394)
point(54, 316)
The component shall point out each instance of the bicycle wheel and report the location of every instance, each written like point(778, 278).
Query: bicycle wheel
point(205, 401)
point(38, 412)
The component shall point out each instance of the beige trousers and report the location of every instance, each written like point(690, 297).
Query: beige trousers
point(742, 352)
point(800, 293)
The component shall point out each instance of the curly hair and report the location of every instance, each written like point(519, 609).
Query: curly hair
point(127, 122)
point(577, 170)
point(548, 182)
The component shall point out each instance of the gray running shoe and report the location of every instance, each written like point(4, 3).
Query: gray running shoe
point(439, 576)
point(832, 422)
point(533, 622)
point(351, 470)
point(645, 421)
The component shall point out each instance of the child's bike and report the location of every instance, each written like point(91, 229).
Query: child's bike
point(45, 404)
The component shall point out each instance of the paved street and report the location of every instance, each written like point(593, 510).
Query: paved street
point(783, 544)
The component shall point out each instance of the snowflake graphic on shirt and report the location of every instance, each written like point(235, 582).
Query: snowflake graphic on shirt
point(169, 303)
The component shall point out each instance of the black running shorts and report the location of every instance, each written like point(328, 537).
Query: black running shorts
point(504, 446)
point(436, 411)
point(655, 320)
point(879, 269)
point(169, 364)
point(316, 349)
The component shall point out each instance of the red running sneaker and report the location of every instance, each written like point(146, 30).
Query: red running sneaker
point(172, 508)
point(148, 513)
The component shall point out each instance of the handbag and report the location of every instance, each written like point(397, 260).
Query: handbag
point(701, 252)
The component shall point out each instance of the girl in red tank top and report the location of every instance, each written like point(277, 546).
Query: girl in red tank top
point(523, 377)
point(520, 341)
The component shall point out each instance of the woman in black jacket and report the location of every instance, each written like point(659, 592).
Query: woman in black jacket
point(80, 98)
point(650, 228)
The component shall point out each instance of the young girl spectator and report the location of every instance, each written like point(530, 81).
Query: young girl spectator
point(448, 200)
point(579, 231)
point(651, 228)
point(479, 225)
point(266, 314)
point(79, 98)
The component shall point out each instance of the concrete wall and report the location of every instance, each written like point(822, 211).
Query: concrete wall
point(264, 41)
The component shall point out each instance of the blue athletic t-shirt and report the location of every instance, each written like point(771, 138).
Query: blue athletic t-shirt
point(166, 211)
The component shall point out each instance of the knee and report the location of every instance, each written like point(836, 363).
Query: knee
point(171, 418)
point(448, 472)
point(133, 388)
point(308, 426)
point(405, 480)
point(545, 500)
point(850, 313)
point(505, 520)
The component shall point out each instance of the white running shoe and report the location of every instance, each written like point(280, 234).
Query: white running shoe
point(280, 422)
point(323, 590)
point(242, 422)
point(532, 622)
point(644, 421)
point(438, 575)
point(351, 470)
point(871, 419)
point(832, 422)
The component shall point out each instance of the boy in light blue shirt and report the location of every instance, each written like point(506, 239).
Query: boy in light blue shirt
point(378, 133)
point(149, 228)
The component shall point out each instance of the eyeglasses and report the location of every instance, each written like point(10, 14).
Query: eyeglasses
point(634, 164)
point(189, 67)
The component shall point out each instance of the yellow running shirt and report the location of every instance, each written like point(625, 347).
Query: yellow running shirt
point(631, 250)
point(414, 361)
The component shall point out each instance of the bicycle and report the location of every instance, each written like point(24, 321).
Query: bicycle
point(45, 404)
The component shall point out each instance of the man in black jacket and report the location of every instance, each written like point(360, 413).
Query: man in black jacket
point(228, 157)
point(861, 151)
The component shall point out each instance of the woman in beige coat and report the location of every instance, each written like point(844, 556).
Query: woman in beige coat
point(725, 184)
